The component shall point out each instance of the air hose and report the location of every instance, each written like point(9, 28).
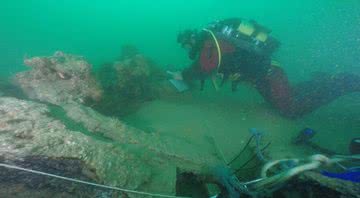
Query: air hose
point(213, 78)
point(217, 45)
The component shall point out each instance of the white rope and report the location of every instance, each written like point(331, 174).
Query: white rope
point(87, 183)
point(313, 162)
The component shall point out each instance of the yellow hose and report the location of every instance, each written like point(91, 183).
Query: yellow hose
point(213, 78)
point(217, 45)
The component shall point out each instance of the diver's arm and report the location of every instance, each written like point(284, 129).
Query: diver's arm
point(190, 74)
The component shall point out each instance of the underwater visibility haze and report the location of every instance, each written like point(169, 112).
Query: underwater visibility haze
point(179, 98)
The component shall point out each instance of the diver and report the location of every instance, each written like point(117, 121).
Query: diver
point(239, 50)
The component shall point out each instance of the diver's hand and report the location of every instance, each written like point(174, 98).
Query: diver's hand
point(177, 75)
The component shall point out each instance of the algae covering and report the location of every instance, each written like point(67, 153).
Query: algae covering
point(29, 129)
point(85, 93)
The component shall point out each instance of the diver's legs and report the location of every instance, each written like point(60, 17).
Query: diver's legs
point(306, 96)
point(275, 88)
point(322, 89)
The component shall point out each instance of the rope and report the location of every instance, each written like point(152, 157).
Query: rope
point(267, 183)
point(246, 145)
point(314, 162)
point(87, 183)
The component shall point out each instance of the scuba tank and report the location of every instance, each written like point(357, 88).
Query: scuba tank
point(246, 35)
point(227, 31)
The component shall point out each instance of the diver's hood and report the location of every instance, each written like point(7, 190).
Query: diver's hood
point(187, 37)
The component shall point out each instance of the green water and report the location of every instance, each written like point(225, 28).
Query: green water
point(322, 35)
point(314, 35)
